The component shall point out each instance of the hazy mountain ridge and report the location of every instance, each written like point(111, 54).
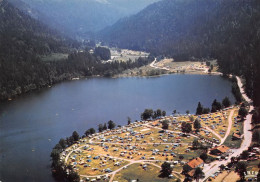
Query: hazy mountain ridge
point(22, 41)
point(37, 15)
point(83, 17)
point(167, 20)
point(18, 29)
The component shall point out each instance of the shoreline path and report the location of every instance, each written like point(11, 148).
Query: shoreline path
point(154, 66)
point(213, 167)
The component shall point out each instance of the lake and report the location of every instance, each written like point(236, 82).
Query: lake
point(32, 124)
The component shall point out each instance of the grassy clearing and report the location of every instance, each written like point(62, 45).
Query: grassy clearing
point(226, 177)
point(189, 67)
point(232, 143)
point(122, 145)
point(232, 176)
point(55, 57)
point(96, 166)
point(124, 55)
point(136, 171)
point(218, 122)
point(221, 176)
point(235, 128)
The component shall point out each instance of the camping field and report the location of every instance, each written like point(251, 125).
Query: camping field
point(144, 146)
point(136, 171)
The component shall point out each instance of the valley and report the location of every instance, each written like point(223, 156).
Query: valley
point(125, 54)
point(150, 90)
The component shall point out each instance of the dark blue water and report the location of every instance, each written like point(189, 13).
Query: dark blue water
point(31, 125)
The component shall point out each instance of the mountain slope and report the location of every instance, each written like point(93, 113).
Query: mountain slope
point(23, 41)
point(21, 32)
point(81, 17)
point(167, 20)
point(226, 30)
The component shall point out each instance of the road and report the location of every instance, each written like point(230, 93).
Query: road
point(215, 133)
point(154, 66)
point(131, 161)
point(229, 126)
point(204, 71)
point(214, 166)
point(222, 140)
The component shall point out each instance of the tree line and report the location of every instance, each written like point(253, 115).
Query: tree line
point(59, 170)
point(102, 53)
point(17, 77)
point(62, 171)
point(216, 106)
point(150, 113)
point(236, 91)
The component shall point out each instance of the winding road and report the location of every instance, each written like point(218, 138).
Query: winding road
point(229, 126)
point(213, 167)
point(131, 161)
point(222, 140)
point(154, 66)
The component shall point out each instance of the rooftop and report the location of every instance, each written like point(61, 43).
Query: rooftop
point(195, 162)
point(221, 148)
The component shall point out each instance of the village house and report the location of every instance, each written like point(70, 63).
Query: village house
point(197, 162)
point(220, 150)
point(193, 164)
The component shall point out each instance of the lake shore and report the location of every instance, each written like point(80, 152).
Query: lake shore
point(154, 69)
point(169, 66)
point(98, 140)
point(33, 123)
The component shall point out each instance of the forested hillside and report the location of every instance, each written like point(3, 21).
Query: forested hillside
point(24, 40)
point(191, 29)
point(79, 18)
point(161, 24)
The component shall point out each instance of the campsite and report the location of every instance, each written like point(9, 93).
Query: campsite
point(106, 155)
